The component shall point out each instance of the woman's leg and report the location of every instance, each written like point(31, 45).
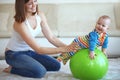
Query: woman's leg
point(24, 65)
point(50, 63)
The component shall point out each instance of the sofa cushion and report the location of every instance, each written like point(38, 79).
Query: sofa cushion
point(3, 21)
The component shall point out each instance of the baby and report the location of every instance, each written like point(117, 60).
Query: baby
point(98, 37)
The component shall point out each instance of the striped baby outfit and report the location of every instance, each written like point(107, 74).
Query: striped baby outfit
point(90, 41)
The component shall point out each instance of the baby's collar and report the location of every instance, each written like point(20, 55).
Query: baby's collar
point(97, 32)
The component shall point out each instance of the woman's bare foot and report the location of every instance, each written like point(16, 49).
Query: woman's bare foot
point(8, 69)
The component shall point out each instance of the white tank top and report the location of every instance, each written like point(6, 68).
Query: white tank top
point(16, 43)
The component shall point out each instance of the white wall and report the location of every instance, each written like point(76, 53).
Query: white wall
point(66, 1)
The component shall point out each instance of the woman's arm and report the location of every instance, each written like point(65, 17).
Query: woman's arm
point(23, 30)
point(48, 33)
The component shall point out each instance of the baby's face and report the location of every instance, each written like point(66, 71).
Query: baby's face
point(102, 25)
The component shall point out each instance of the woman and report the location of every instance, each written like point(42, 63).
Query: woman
point(23, 54)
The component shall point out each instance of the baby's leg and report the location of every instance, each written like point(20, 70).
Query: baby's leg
point(64, 57)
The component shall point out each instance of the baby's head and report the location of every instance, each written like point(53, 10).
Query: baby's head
point(103, 23)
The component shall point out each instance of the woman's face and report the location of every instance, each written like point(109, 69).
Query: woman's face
point(30, 6)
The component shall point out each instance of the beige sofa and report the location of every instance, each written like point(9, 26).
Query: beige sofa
point(65, 19)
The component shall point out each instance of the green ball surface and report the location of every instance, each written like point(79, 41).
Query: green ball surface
point(84, 68)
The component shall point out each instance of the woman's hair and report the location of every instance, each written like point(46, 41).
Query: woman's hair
point(20, 10)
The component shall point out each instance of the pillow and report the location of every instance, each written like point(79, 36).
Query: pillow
point(3, 21)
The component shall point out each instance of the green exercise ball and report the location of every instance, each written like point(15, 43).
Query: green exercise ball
point(84, 68)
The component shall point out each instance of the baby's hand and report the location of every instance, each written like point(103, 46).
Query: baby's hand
point(105, 54)
point(104, 51)
point(92, 55)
